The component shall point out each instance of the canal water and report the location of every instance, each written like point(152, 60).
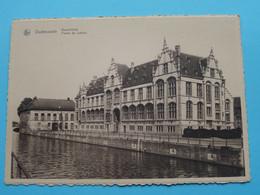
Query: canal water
point(46, 158)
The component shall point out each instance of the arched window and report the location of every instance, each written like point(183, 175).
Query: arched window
point(97, 114)
point(217, 91)
point(200, 110)
point(172, 110)
point(160, 108)
point(125, 112)
point(133, 112)
point(83, 116)
point(102, 114)
point(208, 92)
point(160, 88)
point(140, 109)
point(189, 110)
point(117, 93)
point(149, 111)
point(92, 115)
point(88, 115)
point(227, 105)
point(172, 86)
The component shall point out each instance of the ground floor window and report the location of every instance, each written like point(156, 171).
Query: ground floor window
point(82, 126)
point(200, 127)
point(96, 126)
point(132, 127)
point(101, 127)
point(66, 125)
point(171, 129)
point(140, 128)
point(87, 126)
point(71, 126)
point(149, 128)
point(228, 127)
point(159, 128)
point(92, 127)
point(49, 125)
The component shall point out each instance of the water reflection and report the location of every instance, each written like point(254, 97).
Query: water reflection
point(51, 159)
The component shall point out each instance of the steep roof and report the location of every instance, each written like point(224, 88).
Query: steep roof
point(122, 69)
point(190, 66)
point(51, 104)
point(141, 74)
point(96, 87)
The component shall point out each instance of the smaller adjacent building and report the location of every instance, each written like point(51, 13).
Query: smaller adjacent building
point(48, 114)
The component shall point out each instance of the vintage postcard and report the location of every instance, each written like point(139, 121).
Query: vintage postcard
point(126, 100)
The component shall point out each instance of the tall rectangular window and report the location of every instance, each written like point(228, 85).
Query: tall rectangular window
point(149, 92)
point(132, 94)
point(199, 90)
point(160, 108)
point(125, 96)
point(36, 116)
point(160, 86)
point(188, 89)
point(212, 72)
point(42, 116)
point(140, 93)
point(209, 113)
point(66, 117)
point(217, 92)
point(217, 115)
point(72, 117)
point(54, 116)
point(102, 100)
point(165, 68)
point(92, 99)
point(172, 87)
point(48, 116)
point(97, 101)
point(208, 93)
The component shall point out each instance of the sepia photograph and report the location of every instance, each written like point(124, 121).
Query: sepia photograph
point(126, 100)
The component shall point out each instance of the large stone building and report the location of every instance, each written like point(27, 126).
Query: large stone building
point(48, 114)
point(168, 94)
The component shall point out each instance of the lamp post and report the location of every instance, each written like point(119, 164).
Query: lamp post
point(61, 118)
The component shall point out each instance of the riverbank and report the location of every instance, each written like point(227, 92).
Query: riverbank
point(222, 155)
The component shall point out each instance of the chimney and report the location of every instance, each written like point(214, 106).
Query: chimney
point(68, 99)
point(132, 67)
point(178, 50)
point(112, 60)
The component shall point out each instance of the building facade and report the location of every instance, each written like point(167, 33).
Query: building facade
point(48, 114)
point(166, 95)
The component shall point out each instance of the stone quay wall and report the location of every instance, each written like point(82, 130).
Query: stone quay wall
point(217, 155)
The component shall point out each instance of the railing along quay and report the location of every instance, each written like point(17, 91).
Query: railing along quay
point(233, 143)
point(20, 168)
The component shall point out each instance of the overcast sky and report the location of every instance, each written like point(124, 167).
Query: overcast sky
point(52, 65)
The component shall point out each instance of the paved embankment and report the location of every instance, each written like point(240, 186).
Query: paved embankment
point(192, 149)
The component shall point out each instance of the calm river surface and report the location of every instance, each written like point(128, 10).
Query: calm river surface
point(46, 158)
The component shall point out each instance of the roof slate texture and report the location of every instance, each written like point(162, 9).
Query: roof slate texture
point(52, 104)
point(190, 66)
point(141, 74)
point(97, 87)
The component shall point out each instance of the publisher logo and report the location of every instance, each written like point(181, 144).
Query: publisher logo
point(27, 32)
